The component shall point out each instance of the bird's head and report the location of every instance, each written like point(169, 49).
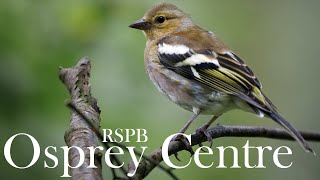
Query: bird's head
point(161, 20)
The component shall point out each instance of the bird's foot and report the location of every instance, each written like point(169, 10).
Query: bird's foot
point(204, 131)
point(185, 142)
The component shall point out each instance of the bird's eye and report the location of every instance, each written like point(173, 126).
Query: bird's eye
point(160, 19)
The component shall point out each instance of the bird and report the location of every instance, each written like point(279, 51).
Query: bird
point(198, 72)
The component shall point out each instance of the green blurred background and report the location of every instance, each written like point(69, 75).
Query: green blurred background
point(278, 39)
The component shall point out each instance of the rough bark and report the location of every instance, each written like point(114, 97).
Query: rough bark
point(80, 134)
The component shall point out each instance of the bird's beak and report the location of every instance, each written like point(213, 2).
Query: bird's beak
point(140, 24)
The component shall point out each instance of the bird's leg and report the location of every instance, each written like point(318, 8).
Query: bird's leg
point(182, 138)
point(185, 127)
point(204, 129)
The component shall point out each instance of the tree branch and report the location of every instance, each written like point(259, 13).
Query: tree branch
point(79, 134)
point(85, 124)
point(145, 167)
point(106, 145)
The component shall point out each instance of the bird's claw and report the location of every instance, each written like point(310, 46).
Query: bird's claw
point(176, 156)
point(204, 131)
point(186, 144)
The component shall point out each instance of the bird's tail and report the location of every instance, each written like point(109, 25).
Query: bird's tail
point(292, 130)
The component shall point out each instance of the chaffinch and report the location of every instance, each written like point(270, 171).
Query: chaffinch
point(195, 70)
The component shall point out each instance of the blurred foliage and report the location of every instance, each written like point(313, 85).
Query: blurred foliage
point(278, 39)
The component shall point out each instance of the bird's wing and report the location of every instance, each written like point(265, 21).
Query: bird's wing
point(223, 71)
point(202, 58)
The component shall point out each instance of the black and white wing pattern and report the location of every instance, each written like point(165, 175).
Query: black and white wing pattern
point(224, 72)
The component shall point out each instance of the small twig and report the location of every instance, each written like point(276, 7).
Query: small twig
point(217, 132)
point(114, 172)
point(117, 161)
